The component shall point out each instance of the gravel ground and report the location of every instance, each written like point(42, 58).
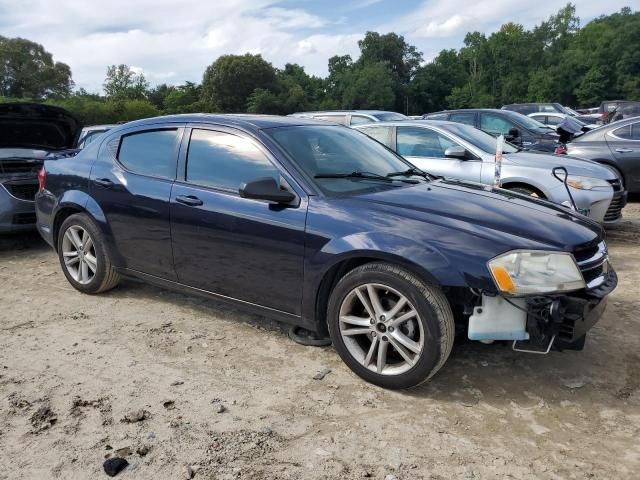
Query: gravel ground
point(183, 387)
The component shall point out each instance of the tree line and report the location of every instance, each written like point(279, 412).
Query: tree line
point(558, 60)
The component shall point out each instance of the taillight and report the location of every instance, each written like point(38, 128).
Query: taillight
point(42, 177)
point(560, 150)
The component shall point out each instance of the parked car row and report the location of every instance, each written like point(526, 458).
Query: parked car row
point(317, 224)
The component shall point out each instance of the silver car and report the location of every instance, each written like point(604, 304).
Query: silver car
point(461, 151)
point(352, 117)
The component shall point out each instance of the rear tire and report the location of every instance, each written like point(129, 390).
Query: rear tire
point(365, 318)
point(84, 257)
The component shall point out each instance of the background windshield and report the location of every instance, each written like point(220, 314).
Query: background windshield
point(319, 150)
point(485, 142)
point(529, 123)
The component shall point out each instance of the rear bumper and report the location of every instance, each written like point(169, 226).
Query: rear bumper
point(16, 214)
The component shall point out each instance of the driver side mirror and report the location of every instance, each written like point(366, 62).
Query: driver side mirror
point(265, 188)
point(456, 152)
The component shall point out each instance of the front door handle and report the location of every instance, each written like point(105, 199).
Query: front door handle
point(190, 200)
point(104, 182)
point(624, 150)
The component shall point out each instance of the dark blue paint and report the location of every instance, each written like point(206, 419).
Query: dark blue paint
point(274, 258)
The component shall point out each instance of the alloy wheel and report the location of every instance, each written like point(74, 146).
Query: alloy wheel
point(78, 251)
point(381, 329)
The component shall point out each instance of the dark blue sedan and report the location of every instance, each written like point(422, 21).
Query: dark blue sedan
point(322, 227)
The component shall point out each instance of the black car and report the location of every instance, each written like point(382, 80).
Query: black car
point(616, 145)
point(518, 129)
point(318, 225)
point(29, 132)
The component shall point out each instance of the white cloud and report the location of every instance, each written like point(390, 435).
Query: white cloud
point(166, 40)
point(175, 41)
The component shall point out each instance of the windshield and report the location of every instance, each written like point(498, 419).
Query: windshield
point(485, 142)
point(325, 150)
point(389, 116)
point(528, 122)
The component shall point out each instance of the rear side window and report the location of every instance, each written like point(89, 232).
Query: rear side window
point(494, 124)
point(467, 118)
point(225, 161)
point(151, 153)
point(381, 134)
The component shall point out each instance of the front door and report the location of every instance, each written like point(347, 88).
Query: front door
point(249, 250)
point(425, 148)
point(625, 147)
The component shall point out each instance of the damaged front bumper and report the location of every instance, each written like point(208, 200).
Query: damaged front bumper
point(538, 323)
point(561, 322)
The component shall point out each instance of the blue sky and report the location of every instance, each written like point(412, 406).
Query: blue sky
point(174, 41)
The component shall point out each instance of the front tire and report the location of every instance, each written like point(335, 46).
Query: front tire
point(84, 257)
point(391, 328)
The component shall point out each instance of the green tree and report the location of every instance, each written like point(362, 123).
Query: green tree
point(123, 83)
point(27, 70)
point(401, 59)
point(229, 81)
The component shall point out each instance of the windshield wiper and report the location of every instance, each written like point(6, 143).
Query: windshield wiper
point(413, 171)
point(362, 175)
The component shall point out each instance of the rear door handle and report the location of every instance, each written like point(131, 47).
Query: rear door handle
point(190, 200)
point(104, 182)
point(624, 150)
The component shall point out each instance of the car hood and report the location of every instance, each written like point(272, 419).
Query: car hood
point(574, 165)
point(36, 126)
point(492, 213)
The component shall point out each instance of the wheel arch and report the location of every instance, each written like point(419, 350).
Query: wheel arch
point(348, 262)
point(524, 184)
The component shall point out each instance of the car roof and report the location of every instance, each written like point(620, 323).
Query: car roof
point(411, 123)
point(368, 112)
point(246, 121)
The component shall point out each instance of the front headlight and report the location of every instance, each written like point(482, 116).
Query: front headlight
point(523, 272)
point(586, 183)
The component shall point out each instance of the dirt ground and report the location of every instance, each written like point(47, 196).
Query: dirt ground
point(185, 387)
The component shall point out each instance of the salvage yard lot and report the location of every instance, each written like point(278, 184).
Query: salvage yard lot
point(73, 366)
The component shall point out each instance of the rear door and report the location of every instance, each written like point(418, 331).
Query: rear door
point(249, 250)
point(425, 148)
point(624, 143)
point(131, 181)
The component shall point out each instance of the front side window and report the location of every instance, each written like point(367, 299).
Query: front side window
point(623, 132)
point(381, 134)
point(635, 131)
point(467, 118)
point(551, 120)
point(436, 116)
point(494, 124)
point(151, 152)
point(225, 161)
point(421, 142)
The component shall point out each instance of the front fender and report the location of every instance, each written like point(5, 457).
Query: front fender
point(424, 260)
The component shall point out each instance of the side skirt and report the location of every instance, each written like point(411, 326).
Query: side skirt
point(273, 313)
